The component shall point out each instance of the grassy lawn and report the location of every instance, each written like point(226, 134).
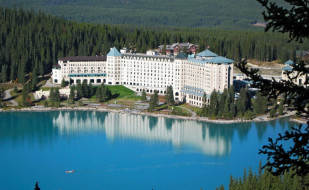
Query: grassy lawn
point(123, 92)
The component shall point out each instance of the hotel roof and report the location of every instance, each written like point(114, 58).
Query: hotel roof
point(217, 60)
point(207, 53)
point(114, 52)
point(181, 55)
point(220, 59)
point(83, 58)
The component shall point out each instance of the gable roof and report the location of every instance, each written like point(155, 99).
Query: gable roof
point(207, 53)
point(114, 52)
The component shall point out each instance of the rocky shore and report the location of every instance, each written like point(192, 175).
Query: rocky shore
point(137, 112)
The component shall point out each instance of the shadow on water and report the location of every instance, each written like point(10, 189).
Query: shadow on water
point(27, 126)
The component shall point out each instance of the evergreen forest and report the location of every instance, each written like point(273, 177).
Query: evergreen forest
point(265, 180)
point(34, 41)
point(232, 14)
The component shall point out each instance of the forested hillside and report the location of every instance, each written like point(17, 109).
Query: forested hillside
point(231, 14)
point(31, 40)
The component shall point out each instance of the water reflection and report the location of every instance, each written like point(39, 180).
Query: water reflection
point(206, 138)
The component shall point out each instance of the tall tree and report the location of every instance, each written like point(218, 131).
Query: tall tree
point(2, 94)
point(63, 83)
point(79, 89)
point(4, 73)
point(72, 95)
point(98, 94)
point(153, 102)
point(260, 104)
point(169, 97)
point(34, 79)
point(292, 20)
point(243, 102)
point(144, 97)
point(214, 104)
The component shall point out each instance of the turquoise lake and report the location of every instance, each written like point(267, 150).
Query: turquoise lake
point(120, 151)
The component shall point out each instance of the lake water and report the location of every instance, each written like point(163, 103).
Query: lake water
point(119, 151)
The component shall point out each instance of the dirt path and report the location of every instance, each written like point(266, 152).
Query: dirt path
point(50, 84)
point(9, 98)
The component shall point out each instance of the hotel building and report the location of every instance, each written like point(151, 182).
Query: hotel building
point(287, 71)
point(189, 77)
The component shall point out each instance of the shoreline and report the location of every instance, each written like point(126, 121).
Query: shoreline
point(124, 111)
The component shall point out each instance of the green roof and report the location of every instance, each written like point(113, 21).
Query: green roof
point(220, 59)
point(181, 55)
point(114, 52)
point(194, 91)
point(207, 53)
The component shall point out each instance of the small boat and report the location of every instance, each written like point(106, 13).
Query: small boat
point(69, 171)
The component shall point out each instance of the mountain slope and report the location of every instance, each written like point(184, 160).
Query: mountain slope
point(226, 14)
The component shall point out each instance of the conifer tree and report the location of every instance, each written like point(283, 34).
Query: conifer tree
point(280, 108)
point(72, 95)
point(169, 97)
point(243, 102)
point(226, 110)
point(79, 90)
point(260, 104)
point(153, 102)
point(34, 79)
point(98, 94)
point(91, 90)
point(204, 107)
point(4, 73)
point(222, 102)
point(214, 104)
point(63, 83)
point(54, 97)
point(144, 97)
point(164, 49)
point(85, 89)
point(25, 95)
point(2, 93)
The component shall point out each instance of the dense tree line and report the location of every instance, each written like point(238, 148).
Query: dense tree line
point(54, 97)
point(103, 93)
point(195, 13)
point(33, 42)
point(264, 180)
point(224, 105)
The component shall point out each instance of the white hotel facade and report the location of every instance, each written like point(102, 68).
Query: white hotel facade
point(189, 77)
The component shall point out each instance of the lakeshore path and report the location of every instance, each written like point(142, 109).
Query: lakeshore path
point(9, 98)
point(193, 114)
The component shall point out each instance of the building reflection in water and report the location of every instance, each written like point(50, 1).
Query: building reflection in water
point(204, 137)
